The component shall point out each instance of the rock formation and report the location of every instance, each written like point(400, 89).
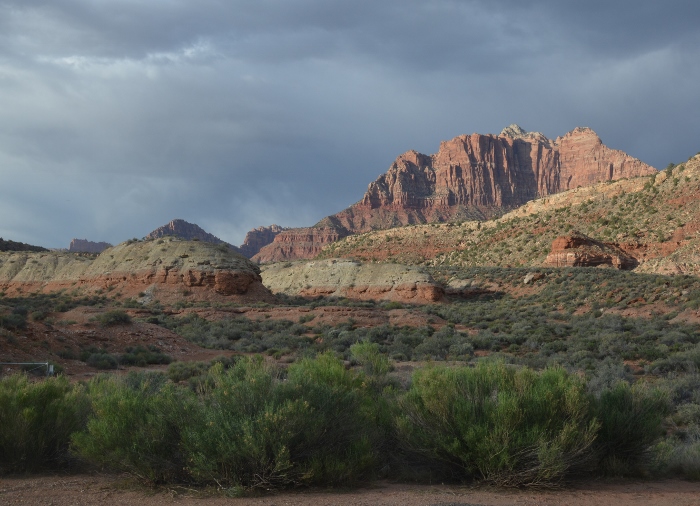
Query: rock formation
point(85, 246)
point(345, 278)
point(578, 250)
point(298, 243)
point(470, 177)
point(188, 231)
point(258, 238)
point(166, 269)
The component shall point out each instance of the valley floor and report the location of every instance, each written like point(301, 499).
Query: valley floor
point(60, 490)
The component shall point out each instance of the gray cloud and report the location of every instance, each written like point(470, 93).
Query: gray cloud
point(117, 116)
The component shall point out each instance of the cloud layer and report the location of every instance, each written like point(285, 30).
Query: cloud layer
point(117, 116)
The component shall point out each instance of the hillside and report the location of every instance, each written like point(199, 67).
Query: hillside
point(164, 269)
point(472, 177)
point(655, 219)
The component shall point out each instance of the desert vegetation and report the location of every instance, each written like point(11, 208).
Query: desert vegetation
point(250, 424)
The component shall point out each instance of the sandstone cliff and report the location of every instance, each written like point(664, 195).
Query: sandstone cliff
point(165, 269)
point(471, 177)
point(298, 243)
point(345, 278)
point(258, 238)
point(85, 246)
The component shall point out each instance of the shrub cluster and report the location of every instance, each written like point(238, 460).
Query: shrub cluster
point(247, 424)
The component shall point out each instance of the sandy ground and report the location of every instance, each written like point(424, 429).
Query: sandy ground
point(89, 490)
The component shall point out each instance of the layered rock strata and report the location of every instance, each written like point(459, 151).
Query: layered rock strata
point(165, 269)
point(345, 278)
point(470, 177)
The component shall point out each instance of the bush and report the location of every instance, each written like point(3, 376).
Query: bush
point(136, 427)
point(115, 317)
point(631, 420)
point(36, 421)
point(508, 426)
point(259, 432)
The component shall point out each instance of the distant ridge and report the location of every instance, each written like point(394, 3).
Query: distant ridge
point(6, 245)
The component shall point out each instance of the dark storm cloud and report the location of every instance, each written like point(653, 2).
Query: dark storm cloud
point(118, 115)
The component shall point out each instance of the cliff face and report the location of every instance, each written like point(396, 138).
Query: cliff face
point(478, 176)
point(471, 177)
point(85, 246)
point(298, 243)
point(259, 238)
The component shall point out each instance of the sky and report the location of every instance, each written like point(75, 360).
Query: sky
point(117, 116)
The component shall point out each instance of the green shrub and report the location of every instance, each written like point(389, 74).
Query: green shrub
point(102, 361)
point(36, 421)
point(259, 432)
point(507, 426)
point(136, 427)
point(115, 317)
point(631, 420)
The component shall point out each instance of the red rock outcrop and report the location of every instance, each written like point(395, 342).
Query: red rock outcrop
point(578, 250)
point(85, 246)
point(259, 238)
point(298, 243)
point(470, 177)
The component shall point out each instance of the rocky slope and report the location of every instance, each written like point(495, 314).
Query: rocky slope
point(166, 269)
point(85, 246)
point(470, 177)
point(259, 238)
point(653, 219)
point(346, 278)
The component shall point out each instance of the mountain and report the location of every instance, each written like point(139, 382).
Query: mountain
point(85, 246)
point(649, 223)
point(472, 177)
point(259, 238)
point(187, 231)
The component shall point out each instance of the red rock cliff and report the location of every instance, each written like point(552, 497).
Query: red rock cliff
point(258, 238)
point(470, 177)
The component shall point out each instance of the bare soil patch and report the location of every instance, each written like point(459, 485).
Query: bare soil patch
point(81, 490)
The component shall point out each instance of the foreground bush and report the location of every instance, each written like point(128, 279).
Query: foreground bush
point(247, 428)
point(315, 428)
point(36, 421)
point(631, 421)
point(504, 425)
point(136, 426)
